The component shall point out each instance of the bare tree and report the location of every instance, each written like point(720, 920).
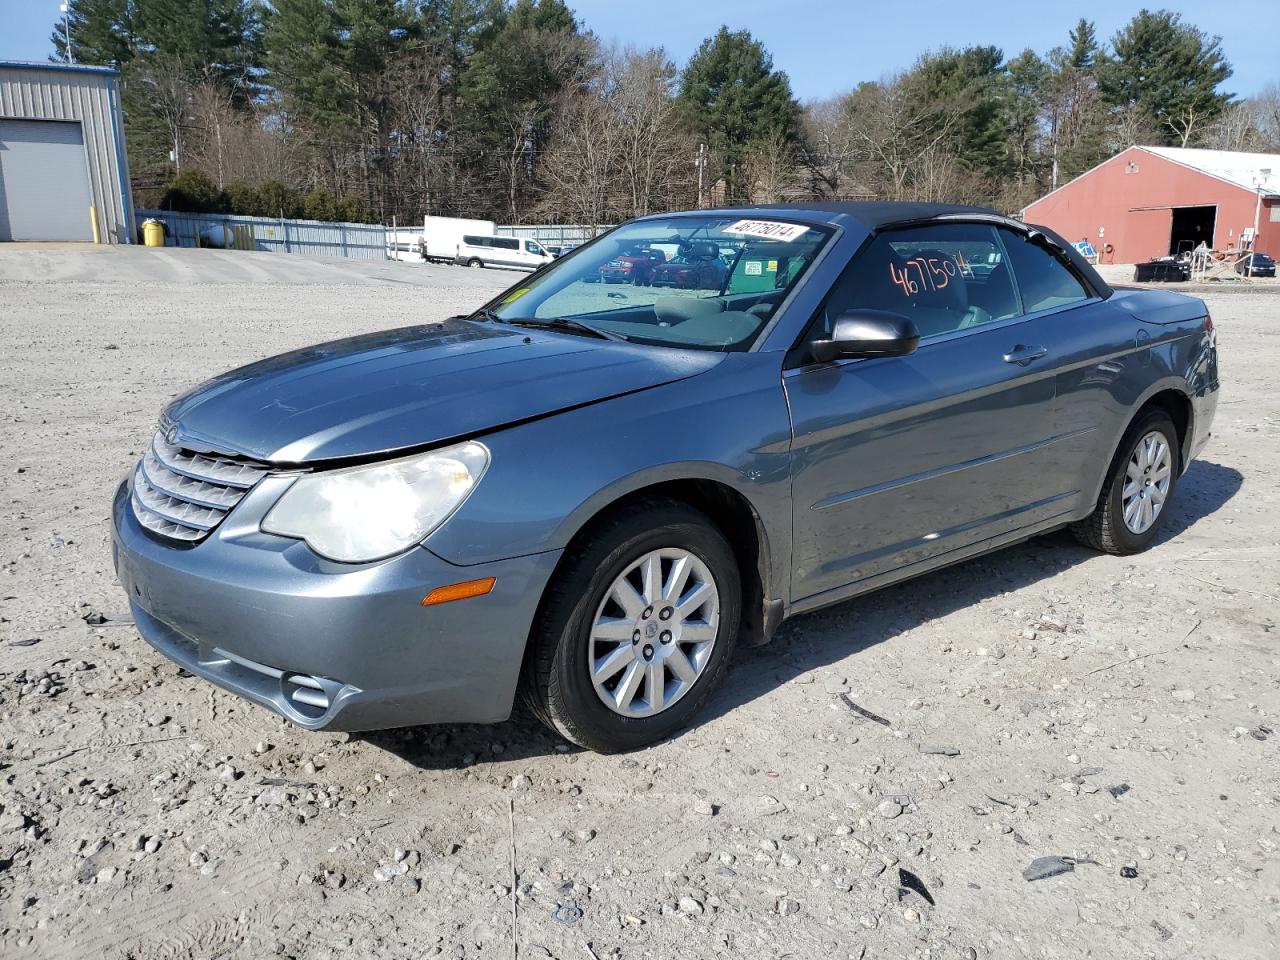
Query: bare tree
point(168, 88)
point(581, 167)
point(617, 148)
point(1238, 128)
point(1267, 104)
point(413, 90)
point(770, 168)
point(902, 141)
point(1129, 127)
point(656, 153)
point(827, 149)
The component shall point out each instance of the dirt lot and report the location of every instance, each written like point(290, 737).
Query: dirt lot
point(1044, 701)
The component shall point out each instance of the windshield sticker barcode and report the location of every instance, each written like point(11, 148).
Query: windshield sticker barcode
point(768, 229)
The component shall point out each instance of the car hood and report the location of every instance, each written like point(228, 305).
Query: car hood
point(412, 387)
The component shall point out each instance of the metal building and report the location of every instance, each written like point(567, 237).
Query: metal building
point(63, 171)
point(1163, 201)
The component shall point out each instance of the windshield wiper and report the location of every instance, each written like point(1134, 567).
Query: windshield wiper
point(563, 323)
point(484, 313)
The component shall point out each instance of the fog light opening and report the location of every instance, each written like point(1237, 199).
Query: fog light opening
point(306, 694)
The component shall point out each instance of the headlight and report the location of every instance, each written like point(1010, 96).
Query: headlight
point(370, 513)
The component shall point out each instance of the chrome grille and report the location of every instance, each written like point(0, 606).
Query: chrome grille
point(182, 494)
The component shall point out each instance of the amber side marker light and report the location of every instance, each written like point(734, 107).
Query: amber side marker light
point(459, 591)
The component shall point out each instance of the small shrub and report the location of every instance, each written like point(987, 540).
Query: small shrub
point(352, 209)
point(274, 199)
point(193, 192)
point(319, 204)
point(241, 197)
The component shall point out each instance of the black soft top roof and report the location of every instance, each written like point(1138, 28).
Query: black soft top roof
point(874, 214)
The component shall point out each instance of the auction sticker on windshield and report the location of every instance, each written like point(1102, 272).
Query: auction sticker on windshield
point(768, 229)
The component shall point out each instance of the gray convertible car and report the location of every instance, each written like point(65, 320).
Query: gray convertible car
point(587, 495)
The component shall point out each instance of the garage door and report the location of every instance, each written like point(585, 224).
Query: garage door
point(44, 183)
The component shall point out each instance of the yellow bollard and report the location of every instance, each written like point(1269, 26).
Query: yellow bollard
point(93, 221)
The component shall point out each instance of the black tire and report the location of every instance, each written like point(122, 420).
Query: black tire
point(556, 684)
point(475, 263)
point(1105, 528)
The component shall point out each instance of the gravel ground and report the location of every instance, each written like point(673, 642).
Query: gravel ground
point(1041, 702)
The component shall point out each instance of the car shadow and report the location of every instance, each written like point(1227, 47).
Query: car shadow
point(815, 640)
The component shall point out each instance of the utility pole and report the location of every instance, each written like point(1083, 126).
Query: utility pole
point(66, 30)
point(701, 162)
point(1259, 182)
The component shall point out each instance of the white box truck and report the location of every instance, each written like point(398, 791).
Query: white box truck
point(442, 236)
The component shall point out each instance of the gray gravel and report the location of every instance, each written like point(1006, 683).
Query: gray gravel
point(1122, 714)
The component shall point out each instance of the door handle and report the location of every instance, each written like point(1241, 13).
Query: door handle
point(1022, 354)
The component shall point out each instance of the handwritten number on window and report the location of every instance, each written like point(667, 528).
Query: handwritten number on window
point(926, 274)
point(902, 279)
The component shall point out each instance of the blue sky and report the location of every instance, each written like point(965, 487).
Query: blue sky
point(829, 47)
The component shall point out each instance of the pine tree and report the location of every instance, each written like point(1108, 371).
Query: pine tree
point(736, 100)
point(1083, 52)
point(212, 40)
point(1074, 111)
point(964, 89)
point(509, 89)
point(1168, 72)
point(102, 33)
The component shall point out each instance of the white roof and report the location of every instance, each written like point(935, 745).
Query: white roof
point(1242, 169)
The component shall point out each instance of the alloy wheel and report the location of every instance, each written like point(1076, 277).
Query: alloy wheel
point(1146, 482)
point(653, 633)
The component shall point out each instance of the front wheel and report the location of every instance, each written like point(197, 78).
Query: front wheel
point(636, 629)
point(1137, 491)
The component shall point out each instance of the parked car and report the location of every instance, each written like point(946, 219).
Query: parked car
point(633, 266)
point(1256, 265)
point(590, 499)
point(696, 267)
point(510, 253)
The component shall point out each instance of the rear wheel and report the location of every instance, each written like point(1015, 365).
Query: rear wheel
point(475, 263)
point(636, 629)
point(1136, 494)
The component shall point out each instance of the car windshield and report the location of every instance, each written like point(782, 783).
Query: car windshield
point(705, 282)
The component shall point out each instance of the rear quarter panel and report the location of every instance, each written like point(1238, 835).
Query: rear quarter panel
point(1143, 342)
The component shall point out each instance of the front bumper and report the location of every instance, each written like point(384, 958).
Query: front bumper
point(329, 645)
point(672, 280)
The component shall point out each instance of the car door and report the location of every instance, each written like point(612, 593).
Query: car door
point(1095, 343)
point(900, 460)
point(511, 252)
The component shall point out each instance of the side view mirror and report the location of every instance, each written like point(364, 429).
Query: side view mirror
point(867, 333)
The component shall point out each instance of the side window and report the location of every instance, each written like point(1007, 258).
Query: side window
point(506, 243)
point(944, 277)
point(1043, 280)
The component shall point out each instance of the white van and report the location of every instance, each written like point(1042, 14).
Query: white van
point(441, 236)
point(511, 253)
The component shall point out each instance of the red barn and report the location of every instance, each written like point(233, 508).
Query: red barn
point(1156, 201)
